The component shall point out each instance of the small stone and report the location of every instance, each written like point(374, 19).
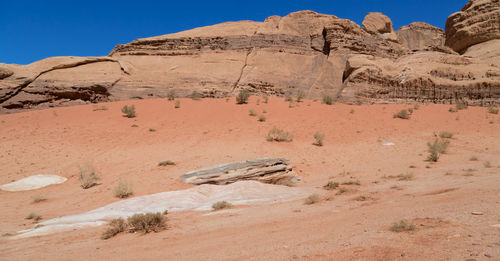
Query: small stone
point(403, 254)
point(477, 213)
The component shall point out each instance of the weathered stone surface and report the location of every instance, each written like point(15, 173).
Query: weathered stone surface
point(479, 21)
point(379, 24)
point(265, 170)
point(420, 36)
point(4, 73)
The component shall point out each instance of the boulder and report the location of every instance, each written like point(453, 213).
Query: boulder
point(265, 170)
point(420, 36)
point(379, 24)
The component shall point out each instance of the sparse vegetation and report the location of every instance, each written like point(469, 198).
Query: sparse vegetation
point(252, 112)
point(436, 148)
point(242, 97)
point(312, 199)
point(327, 99)
point(115, 227)
point(352, 182)
point(407, 176)
point(361, 198)
point(351, 111)
point(221, 205)
point(461, 105)
point(134, 125)
point(166, 163)
point(196, 95)
point(100, 108)
point(262, 118)
point(473, 158)
point(39, 199)
point(487, 164)
point(331, 185)
point(402, 226)
point(123, 189)
point(288, 98)
point(152, 130)
point(416, 106)
point(300, 95)
point(318, 137)
point(264, 111)
point(342, 191)
point(145, 223)
point(33, 216)
point(129, 111)
point(88, 177)
point(266, 99)
point(171, 95)
point(492, 110)
point(451, 109)
point(446, 134)
point(410, 110)
point(403, 114)
point(278, 135)
point(177, 104)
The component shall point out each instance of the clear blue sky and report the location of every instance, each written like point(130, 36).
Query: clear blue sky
point(33, 30)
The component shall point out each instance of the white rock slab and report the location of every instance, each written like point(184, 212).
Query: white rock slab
point(33, 182)
point(197, 198)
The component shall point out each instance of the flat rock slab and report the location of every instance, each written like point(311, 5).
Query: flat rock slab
point(196, 198)
point(265, 170)
point(33, 182)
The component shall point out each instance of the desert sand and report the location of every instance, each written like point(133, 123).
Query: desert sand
point(438, 198)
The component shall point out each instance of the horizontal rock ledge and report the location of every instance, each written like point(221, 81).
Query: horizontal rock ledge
point(265, 170)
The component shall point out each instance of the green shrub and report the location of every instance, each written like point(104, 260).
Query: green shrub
point(242, 97)
point(177, 104)
point(221, 205)
point(327, 99)
point(300, 95)
point(278, 135)
point(33, 216)
point(39, 199)
point(451, 109)
point(171, 95)
point(312, 199)
point(288, 98)
point(115, 227)
point(473, 158)
point(416, 106)
point(461, 105)
point(145, 223)
point(88, 178)
point(436, 148)
point(410, 110)
point(492, 110)
point(252, 112)
point(196, 95)
point(262, 118)
point(319, 139)
point(487, 164)
point(123, 189)
point(331, 185)
point(446, 135)
point(402, 226)
point(129, 111)
point(403, 114)
point(166, 163)
point(266, 99)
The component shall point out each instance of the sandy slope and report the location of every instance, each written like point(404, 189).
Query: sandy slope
point(439, 200)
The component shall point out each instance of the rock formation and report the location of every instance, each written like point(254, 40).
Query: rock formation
point(303, 51)
point(265, 170)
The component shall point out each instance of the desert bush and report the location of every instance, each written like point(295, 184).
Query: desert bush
point(473, 158)
point(129, 111)
point(461, 105)
point(436, 148)
point(262, 118)
point(152, 130)
point(264, 111)
point(402, 226)
point(312, 199)
point(318, 137)
point(492, 110)
point(403, 114)
point(242, 97)
point(451, 109)
point(134, 125)
point(100, 108)
point(351, 111)
point(252, 112)
point(352, 182)
point(123, 189)
point(331, 185)
point(407, 176)
point(487, 164)
point(196, 96)
point(166, 163)
point(149, 222)
point(288, 98)
point(88, 177)
point(115, 227)
point(416, 106)
point(266, 99)
point(278, 135)
point(38, 199)
point(300, 95)
point(221, 205)
point(446, 134)
point(327, 99)
point(171, 95)
point(33, 216)
point(177, 104)
point(410, 110)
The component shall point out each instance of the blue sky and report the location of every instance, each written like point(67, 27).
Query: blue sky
point(33, 30)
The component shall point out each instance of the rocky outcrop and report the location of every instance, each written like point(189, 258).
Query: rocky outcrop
point(421, 36)
point(478, 22)
point(304, 51)
point(265, 170)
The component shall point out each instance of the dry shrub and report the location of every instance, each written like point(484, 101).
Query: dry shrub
point(145, 223)
point(278, 135)
point(221, 205)
point(88, 177)
point(123, 189)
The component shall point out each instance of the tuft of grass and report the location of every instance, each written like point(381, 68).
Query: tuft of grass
point(318, 137)
point(39, 199)
point(196, 95)
point(451, 109)
point(129, 111)
point(242, 97)
point(351, 111)
point(221, 205)
point(436, 148)
point(115, 227)
point(402, 226)
point(403, 114)
point(331, 185)
point(446, 134)
point(416, 106)
point(288, 98)
point(152, 130)
point(352, 182)
point(487, 164)
point(473, 158)
point(278, 135)
point(266, 99)
point(264, 111)
point(312, 199)
point(410, 110)
point(166, 163)
point(407, 176)
point(300, 95)
point(88, 177)
point(492, 110)
point(33, 216)
point(171, 95)
point(100, 108)
point(461, 105)
point(177, 104)
point(134, 125)
point(252, 112)
point(123, 189)
point(262, 118)
point(327, 99)
point(145, 223)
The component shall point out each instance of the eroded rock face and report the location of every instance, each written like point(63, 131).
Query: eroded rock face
point(304, 51)
point(479, 21)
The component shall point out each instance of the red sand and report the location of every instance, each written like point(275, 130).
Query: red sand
point(439, 200)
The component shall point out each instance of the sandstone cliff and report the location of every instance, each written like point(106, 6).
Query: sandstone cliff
point(315, 53)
